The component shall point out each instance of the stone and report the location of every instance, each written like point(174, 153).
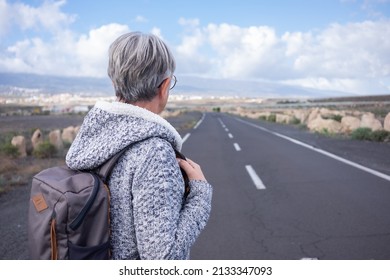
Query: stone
point(349, 124)
point(321, 125)
point(386, 122)
point(77, 129)
point(281, 118)
point(326, 113)
point(20, 143)
point(301, 115)
point(68, 134)
point(37, 138)
point(56, 140)
point(369, 120)
point(313, 115)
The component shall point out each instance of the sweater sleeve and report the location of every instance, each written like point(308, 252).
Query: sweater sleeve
point(166, 225)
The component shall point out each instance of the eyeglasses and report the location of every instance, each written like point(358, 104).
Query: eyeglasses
point(173, 82)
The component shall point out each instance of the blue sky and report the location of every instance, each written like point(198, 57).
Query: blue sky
point(336, 45)
point(283, 15)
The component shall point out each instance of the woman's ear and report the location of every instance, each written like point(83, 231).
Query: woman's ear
point(163, 94)
point(164, 88)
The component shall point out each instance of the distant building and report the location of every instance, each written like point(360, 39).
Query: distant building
point(80, 109)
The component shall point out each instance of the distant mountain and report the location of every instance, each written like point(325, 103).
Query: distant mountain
point(54, 84)
point(14, 83)
point(224, 87)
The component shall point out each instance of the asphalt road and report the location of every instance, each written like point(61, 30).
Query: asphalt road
point(303, 203)
point(299, 202)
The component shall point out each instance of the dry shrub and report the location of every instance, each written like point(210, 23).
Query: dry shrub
point(16, 172)
point(7, 165)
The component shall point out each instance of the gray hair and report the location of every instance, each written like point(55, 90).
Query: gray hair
point(138, 64)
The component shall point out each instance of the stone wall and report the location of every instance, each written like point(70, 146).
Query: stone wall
point(58, 138)
point(321, 119)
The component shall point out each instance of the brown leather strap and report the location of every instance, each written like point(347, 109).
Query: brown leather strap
point(109, 216)
point(53, 240)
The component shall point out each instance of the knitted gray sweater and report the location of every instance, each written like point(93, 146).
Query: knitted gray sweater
point(150, 218)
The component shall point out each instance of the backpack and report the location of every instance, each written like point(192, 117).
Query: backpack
point(69, 212)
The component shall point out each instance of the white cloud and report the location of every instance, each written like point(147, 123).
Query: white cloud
point(4, 17)
point(190, 44)
point(296, 42)
point(92, 49)
point(192, 23)
point(373, 7)
point(243, 52)
point(348, 57)
point(157, 31)
point(356, 50)
point(352, 57)
point(189, 53)
point(226, 51)
point(66, 54)
point(140, 19)
point(48, 16)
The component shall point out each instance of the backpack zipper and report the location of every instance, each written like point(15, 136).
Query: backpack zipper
point(80, 217)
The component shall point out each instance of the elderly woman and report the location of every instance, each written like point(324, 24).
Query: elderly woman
point(151, 216)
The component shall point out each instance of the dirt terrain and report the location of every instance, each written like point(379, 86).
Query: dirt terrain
point(28, 123)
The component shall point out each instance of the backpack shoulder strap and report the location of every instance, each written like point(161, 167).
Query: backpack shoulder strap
point(105, 169)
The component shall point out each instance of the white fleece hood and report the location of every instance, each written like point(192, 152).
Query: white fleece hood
point(110, 127)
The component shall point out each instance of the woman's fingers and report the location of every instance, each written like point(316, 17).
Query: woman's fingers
point(193, 170)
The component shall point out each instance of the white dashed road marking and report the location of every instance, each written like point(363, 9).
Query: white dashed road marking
point(255, 178)
point(199, 122)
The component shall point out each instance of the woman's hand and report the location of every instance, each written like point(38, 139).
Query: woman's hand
point(193, 170)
